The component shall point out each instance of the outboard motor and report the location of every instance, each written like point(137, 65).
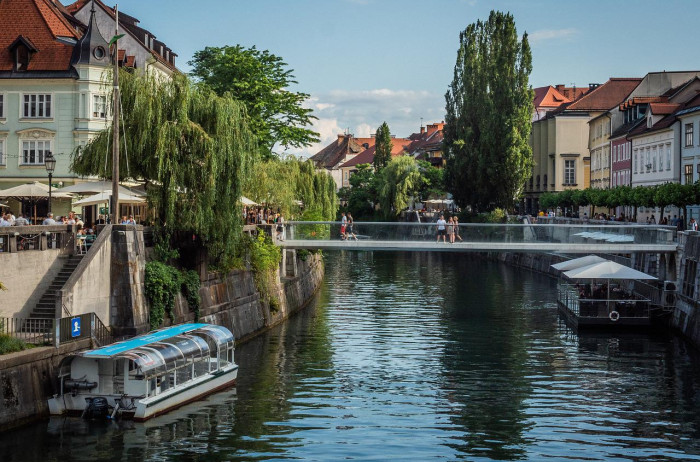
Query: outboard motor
point(97, 408)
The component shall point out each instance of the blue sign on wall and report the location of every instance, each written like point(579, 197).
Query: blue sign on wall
point(75, 327)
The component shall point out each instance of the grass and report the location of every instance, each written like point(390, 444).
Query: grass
point(10, 344)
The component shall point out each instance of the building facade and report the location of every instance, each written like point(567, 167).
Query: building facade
point(689, 122)
point(55, 83)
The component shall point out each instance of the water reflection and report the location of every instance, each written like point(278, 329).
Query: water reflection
point(418, 356)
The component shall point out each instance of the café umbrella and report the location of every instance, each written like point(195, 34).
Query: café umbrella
point(97, 187)
point(32, 192)
point(104, 197)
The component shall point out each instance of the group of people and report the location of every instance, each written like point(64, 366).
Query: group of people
point(347, 225)
point(449, 228)
point(8, 219)
point(259, 215)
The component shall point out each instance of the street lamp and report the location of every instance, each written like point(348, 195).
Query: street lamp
point(50, 164)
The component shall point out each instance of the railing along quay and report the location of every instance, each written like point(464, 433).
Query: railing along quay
point(42, 331)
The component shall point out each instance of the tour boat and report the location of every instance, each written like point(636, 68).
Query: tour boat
point(147, 375)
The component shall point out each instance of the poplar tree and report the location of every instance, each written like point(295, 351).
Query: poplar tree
point(489, 108)
point(382, 147)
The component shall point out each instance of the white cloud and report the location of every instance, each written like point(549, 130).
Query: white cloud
point(551, 34)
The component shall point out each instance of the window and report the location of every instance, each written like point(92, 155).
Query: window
point(37, 106)
point(569, 172)
point(635, 160)
point(2, 106)
point(668, 157)
point(99, 106)
point(653, 156)
point(33, 152)
point(688, 135)
point(688, 174)
point(2, 152)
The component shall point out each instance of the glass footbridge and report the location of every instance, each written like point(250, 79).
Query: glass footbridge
point(563, 238)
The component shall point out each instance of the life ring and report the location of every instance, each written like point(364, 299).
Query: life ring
point(614, 316)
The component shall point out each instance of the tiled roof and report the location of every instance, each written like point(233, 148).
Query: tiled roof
point(605, 96)
point(128, 25)
point(335, 152)
point(398, 147)
point(626, 128)
point(42, 23)
point(663, 108)
point(668, 120)
point(549, 97)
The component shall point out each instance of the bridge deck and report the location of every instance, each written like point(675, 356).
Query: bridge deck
point(422, 246)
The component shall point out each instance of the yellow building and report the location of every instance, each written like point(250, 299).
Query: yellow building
point(560, 141)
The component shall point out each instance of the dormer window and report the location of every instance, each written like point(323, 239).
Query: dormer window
point(22, 50)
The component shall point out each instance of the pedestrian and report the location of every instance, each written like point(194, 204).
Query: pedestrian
point(441, 229)
point(456, 223)
point(350, 226)
point(49, 219)
point(451, 230)
point(21, 220)
point(280, 227)
point(343, 225)
point(693, 224)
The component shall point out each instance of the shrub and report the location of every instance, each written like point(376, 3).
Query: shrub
point(162, 283)
point(190, 288)
point(10, 344)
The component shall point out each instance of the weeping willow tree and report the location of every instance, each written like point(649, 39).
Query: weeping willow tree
point(290, 184)
point(192, 147)
point(401, 179)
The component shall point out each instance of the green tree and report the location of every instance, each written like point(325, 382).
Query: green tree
point(193, 148)
point(382, 147)
point(432, 180)
point(489, 110)
point(261, 81)
point(400, 181)
point(364, 184)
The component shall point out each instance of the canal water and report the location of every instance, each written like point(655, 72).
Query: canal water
point(418, 357)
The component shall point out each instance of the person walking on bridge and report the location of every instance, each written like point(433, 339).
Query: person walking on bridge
point(349, 230)
point(441, 229)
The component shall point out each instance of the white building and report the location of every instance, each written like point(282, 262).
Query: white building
point(689, 122)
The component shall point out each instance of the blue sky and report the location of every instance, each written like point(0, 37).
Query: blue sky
point(367, 61)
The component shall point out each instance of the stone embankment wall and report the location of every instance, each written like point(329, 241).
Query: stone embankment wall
point(28, 379)
point(233, 301)
point(27, 275)
point(685, 315)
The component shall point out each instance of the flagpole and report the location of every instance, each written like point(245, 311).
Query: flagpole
point(115, 123)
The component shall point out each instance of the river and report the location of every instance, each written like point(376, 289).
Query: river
point(418, 357)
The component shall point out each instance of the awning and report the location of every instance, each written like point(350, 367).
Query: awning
point(578, 262)
point(607, 270)
point(105, 196)
point(246, 201)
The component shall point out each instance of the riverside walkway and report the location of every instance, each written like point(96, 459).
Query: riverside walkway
point(418, 237)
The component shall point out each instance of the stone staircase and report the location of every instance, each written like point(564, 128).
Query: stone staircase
point(46, 306)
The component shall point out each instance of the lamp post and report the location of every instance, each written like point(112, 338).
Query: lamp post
point(50, 164)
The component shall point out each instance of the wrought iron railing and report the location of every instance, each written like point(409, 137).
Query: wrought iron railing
point(625, 305)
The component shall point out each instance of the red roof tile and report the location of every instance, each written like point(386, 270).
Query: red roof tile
point(549, 97)
point(606, 96)
point(663, 108)
point(335, 152)
point(41, 22)
point(398, 147)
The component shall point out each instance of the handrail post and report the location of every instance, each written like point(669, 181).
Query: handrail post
point(57, 332)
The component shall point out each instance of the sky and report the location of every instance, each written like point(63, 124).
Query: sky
point(364, 62)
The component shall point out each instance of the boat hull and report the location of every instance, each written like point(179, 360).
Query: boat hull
point(148, 407)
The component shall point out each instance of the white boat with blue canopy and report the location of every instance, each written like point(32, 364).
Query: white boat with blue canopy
point(147, 375)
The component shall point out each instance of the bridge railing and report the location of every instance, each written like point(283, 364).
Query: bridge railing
point(480, 232)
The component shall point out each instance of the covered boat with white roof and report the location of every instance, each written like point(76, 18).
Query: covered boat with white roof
point(147, 375)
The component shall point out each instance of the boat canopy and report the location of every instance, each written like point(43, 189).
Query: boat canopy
point(169, 348)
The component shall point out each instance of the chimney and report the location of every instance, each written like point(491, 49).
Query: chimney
point(560, 87)
point(422, 129)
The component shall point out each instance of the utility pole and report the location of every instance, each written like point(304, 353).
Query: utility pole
point(115, 124)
